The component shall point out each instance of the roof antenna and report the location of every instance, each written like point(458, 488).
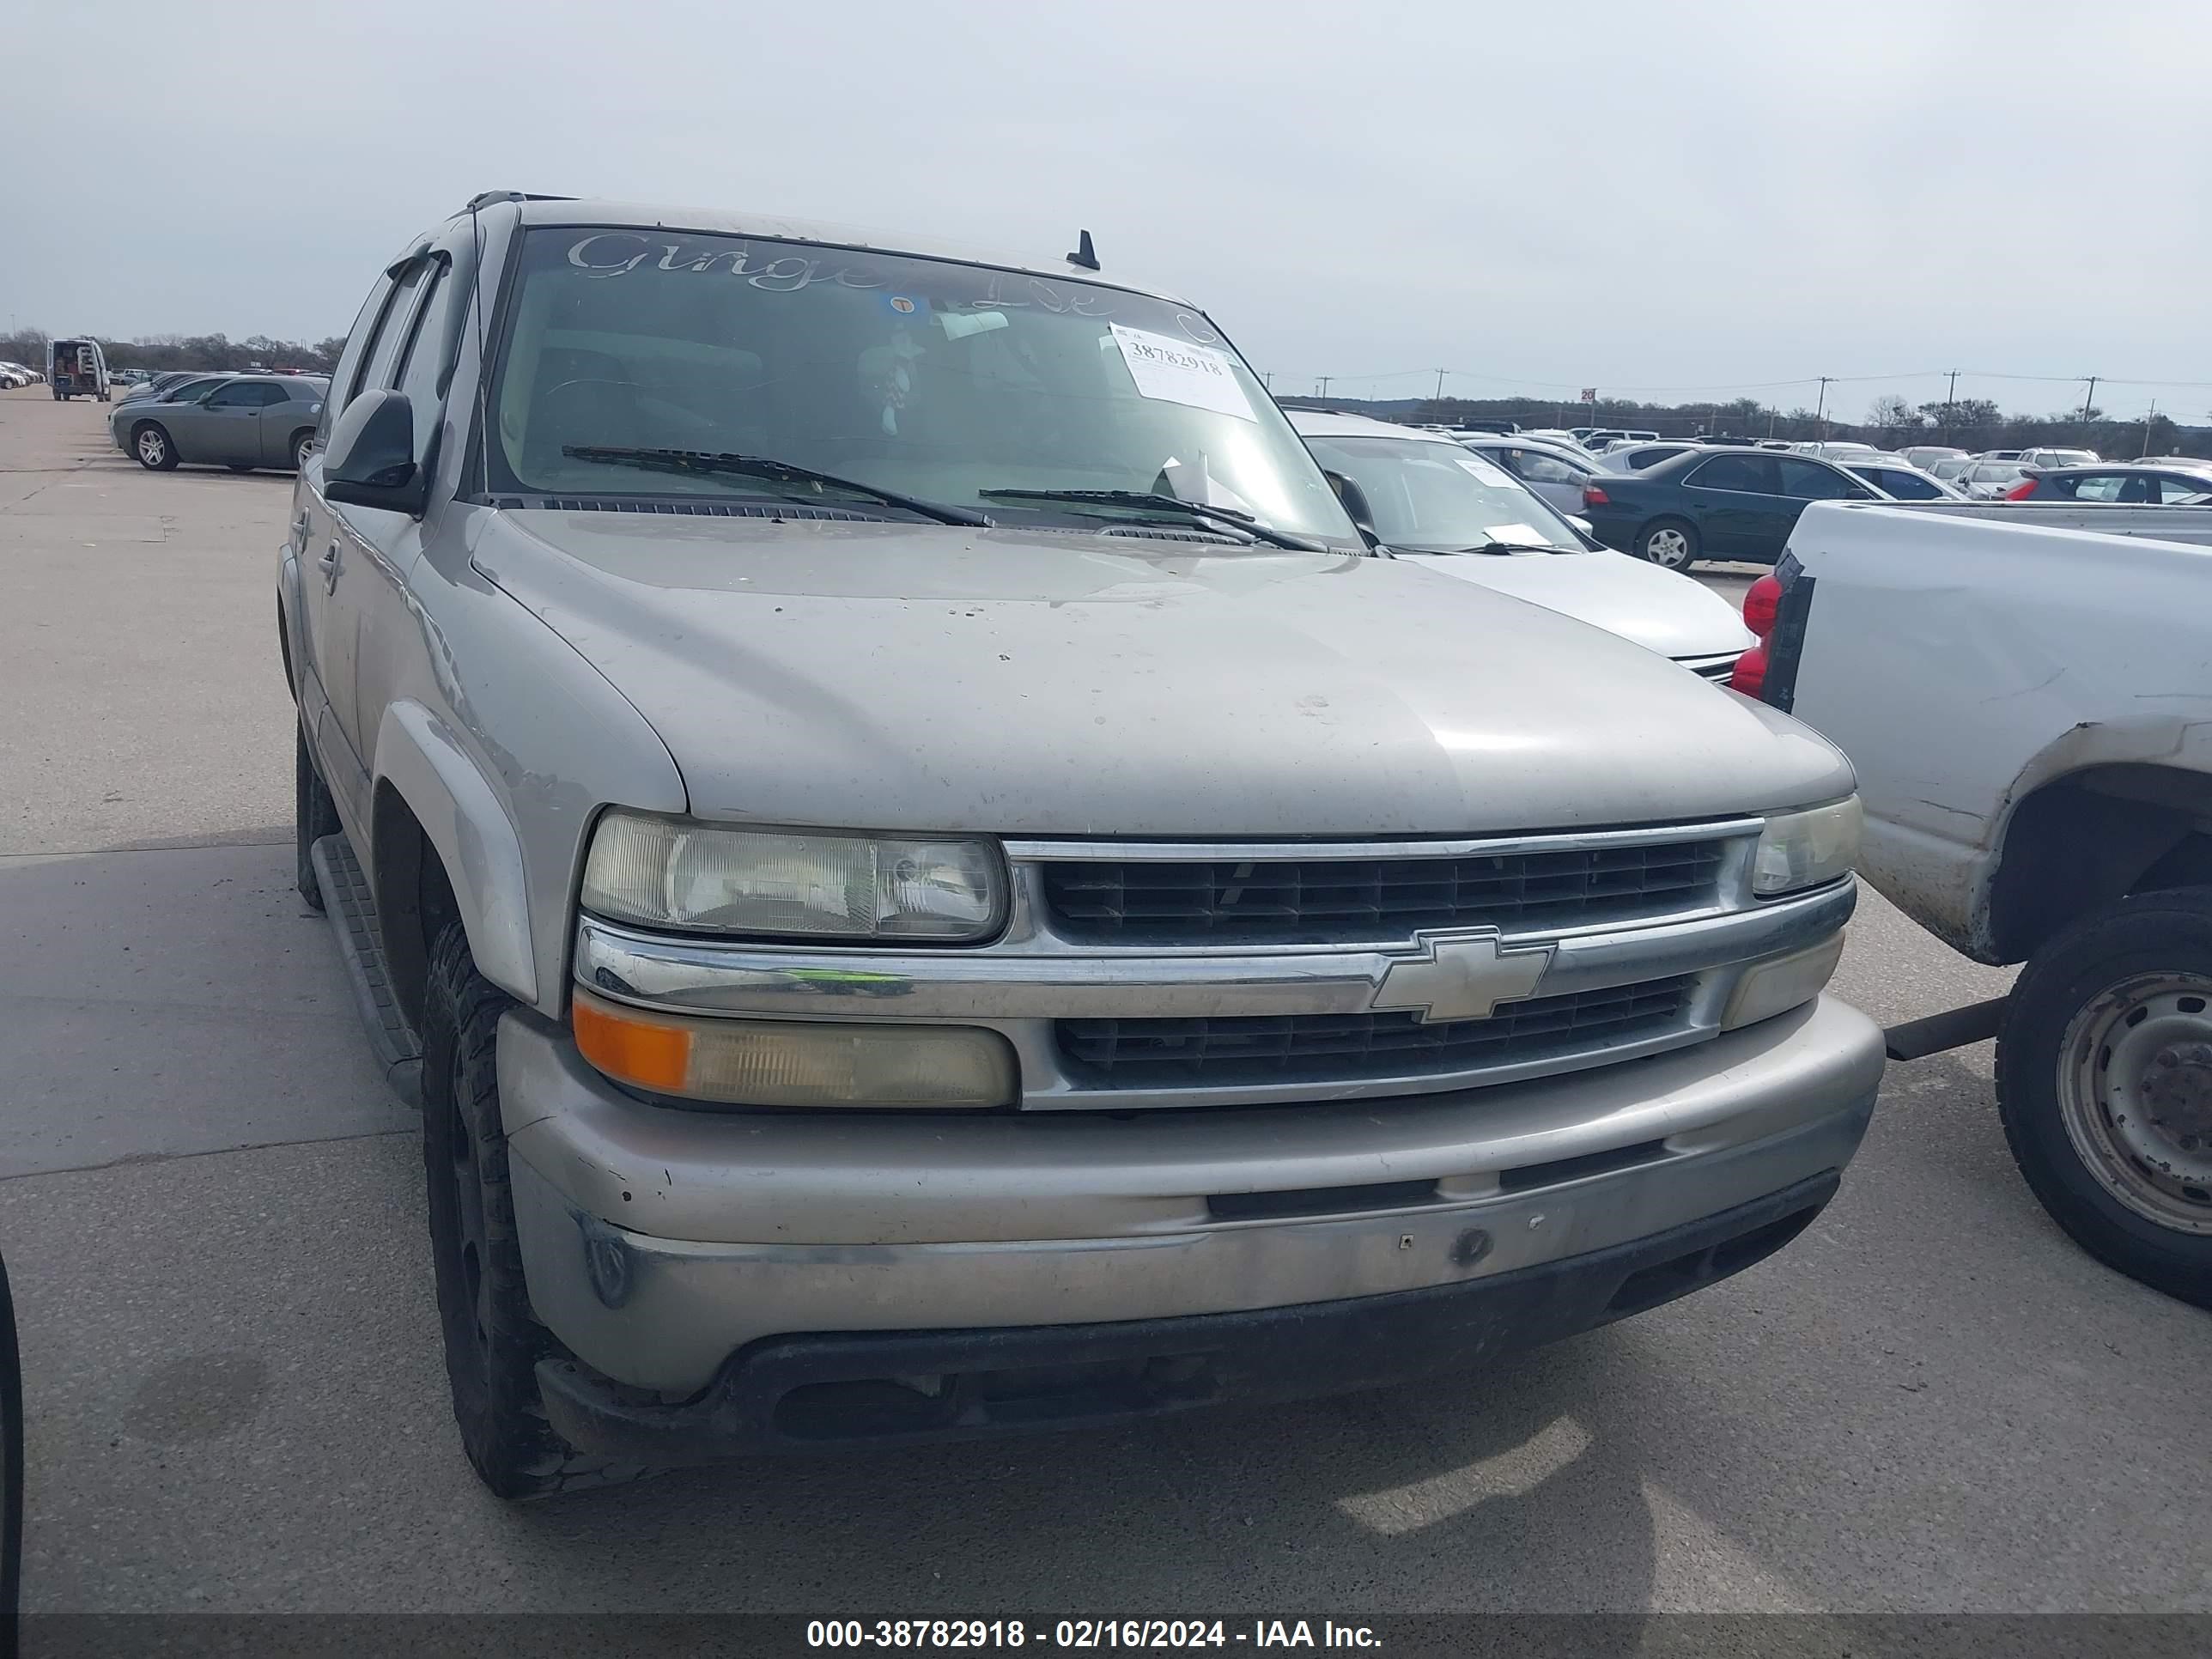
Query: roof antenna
point(1082, 255)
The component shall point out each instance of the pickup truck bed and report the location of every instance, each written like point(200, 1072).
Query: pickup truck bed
point(2026, 693)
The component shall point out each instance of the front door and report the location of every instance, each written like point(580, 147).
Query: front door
point(228, 426)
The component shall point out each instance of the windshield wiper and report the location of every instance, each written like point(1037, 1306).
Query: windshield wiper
point(1204, 513)
point(1516, 547)
point(702, 463)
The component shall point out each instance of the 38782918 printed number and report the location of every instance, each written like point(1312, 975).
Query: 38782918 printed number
point(1073, 1634)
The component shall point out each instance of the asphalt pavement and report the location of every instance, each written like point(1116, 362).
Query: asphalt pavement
point(213, 1216)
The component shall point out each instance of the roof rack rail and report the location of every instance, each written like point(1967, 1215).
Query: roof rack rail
point(486, 197)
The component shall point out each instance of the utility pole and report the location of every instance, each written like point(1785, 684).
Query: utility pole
point(1440, 386)
point(2147, 421)
point(1820, 408)
point(1325, 379)
point(2087, 399)
point(1268, 380)
point(1951, 406)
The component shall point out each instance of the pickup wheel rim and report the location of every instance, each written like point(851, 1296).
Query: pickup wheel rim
point(152, 447)
point(2135, 1092)
point(1667, 546)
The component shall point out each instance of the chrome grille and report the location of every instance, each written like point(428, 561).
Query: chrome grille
point(1328, 901)
point(1711, 668)
point(1221, 1052)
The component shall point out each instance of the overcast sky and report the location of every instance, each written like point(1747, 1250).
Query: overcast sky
point(1677, 199)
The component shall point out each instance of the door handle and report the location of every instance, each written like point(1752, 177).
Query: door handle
point(300, 528)
point(329, 565)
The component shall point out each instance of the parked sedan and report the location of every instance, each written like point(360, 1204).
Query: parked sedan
point(1549, 471)
point(2163, 483)
point(239, 421)
point(1715, 504)
point(1901, 483)
point(1924, 456)
point(1989, 478)
point(1635, 458)
point(153, 385)
point(1429, 501)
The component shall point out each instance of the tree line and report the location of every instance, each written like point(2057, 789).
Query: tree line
point(159, 352)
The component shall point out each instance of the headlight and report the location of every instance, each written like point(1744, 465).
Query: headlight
point(1803, 850)
point(666, 873)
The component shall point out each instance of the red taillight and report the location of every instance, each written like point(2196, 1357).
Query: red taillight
point(1760, 604)
point(2020, 491)
point(1593, 495)
point(1749, 675)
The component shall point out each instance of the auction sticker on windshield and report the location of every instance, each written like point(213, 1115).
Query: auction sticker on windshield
point(1177, 372)
point(1494, 477)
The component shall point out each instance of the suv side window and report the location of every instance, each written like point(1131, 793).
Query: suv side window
point(416, 374)
point(1752, 474)
point(1808, 481)
point(347, 369)
point(393, 332)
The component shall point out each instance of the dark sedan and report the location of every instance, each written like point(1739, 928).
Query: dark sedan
point(2143, 482)
point(1714, 504)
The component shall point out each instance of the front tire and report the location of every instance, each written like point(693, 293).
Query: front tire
point(493, 1341)
point(314, 815)
point(2104, 1086)
point(153, 447)
point(303, 445)
point(1670, 544)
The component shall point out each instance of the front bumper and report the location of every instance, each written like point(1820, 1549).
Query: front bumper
point(658, 1242)
point(796, 1394)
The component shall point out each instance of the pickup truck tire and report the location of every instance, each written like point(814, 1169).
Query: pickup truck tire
point(492, 1340)
point(314, 815)
point(1670, 544)
point(2104, 1086)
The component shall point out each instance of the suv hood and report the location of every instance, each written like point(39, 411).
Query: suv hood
point(872, 675)
point(1662, 610)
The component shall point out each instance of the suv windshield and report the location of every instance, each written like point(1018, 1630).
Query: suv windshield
point(1437, 498)
point(939, 381)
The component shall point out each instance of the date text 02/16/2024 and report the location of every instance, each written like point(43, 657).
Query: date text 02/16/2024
point(1083, 1634)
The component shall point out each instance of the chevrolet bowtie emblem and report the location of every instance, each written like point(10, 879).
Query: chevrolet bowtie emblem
point(1461, 977)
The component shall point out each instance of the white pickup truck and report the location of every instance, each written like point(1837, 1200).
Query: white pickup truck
point(2026, 694)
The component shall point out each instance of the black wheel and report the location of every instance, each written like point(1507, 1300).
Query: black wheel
point(2104, 1085)
point(151, 443)
point(303, 445)
point(314, 815)
point(493, 1342)
point(1670, 544)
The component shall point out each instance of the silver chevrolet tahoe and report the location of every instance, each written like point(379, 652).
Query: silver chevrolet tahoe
point(930, 884)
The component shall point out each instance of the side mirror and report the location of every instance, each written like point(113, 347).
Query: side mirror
point(1355, 505)
point(369, 460)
